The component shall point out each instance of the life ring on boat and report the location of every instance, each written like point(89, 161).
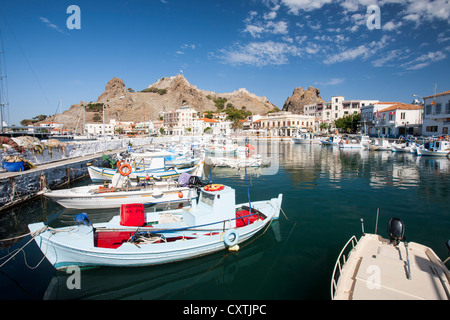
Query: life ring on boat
point(180, 194)
point(231, 237)
point(125, 165)
point(214, 187)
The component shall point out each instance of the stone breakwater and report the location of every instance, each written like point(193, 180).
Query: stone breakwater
point(59, 167)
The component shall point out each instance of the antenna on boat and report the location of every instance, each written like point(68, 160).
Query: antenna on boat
point(248, 188)
point(362, 225)
point(376, 221)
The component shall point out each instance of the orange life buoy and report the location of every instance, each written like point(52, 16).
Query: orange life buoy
point(125, 165)
point(180, 194)
point(214, 187)
point(119, 163)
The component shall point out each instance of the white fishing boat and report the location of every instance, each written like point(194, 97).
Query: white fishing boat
point(380, 144)
point(160, 160)
point(403, 145)
point(389, 269)
point(254, 161)
point(306, 138)
point(222, 146)
point(331, 141)
point(438, 148)
point(100, 174)
point(350, 143)
point(122, 191)
point(139, 239)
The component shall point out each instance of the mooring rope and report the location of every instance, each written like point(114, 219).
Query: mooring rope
point(12, 254)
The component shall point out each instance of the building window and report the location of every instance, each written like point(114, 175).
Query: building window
point(438, 108)
point(445, 130)
point(428, 109)
point(431, 128)
point(402, 115)
point(447, 108)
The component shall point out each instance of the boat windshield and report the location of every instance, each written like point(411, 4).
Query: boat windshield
point(207, 198)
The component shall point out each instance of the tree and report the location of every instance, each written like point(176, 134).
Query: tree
point(348, 123)
point(323, 126)
point(96, 117)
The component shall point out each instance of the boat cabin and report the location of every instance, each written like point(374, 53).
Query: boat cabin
point(215, 205)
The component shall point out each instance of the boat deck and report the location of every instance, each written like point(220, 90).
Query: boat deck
point(378, 270)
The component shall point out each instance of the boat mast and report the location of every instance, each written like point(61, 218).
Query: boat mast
point(3, 84)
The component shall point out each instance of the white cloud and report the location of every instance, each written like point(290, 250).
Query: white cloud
point(442, 37)
point(260, 53)
point(350, 54)
point(419, 10)
point(391, 26)
point(363, 51)
point(331, 82)
point(51, 25)
point(254, 30)
point(306, 5)
point(424, 60)
point(388, 57)
point(257, 28)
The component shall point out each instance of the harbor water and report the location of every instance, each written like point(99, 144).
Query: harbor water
point(326, 192)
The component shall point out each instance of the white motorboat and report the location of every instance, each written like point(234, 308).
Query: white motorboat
point(380, 144)
point(236, 162)
point(403, 146)
point(100, 174)
point(389, 269)
point(438, 148)
point(136, 238)
point(354, 142)
point(122, 191)
point(306, 138)
point(331, 141)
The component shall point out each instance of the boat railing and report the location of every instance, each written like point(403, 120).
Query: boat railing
point(341, 260)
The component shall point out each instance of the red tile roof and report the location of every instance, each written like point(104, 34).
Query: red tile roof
point(402, 106)
point(438, 94)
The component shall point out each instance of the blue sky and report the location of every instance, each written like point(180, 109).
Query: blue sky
point(268, 47)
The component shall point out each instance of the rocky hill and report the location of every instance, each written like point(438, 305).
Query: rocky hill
point(300, 98)
point(164, 95)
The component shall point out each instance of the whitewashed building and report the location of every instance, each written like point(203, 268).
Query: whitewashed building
point(337, 107)
point(391, 119)
point(436, 118)
point(178, 121)
point(285, 123)
point(211, 126)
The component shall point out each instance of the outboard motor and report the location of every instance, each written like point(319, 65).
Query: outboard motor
point(194, 181)
point(396, 230)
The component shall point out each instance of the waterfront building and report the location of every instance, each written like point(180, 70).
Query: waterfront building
point(285, 123)
point(146, 126)
point(177, 121)
point(97, 128)
point(392, 119)
point(436, 118)
point(211, 126)
point(337, 107)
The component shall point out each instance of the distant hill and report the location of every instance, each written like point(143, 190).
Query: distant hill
point(164, 95)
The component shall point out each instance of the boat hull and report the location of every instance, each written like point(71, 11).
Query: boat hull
point(147, 197)
point(424, 152)
point(74, 246)
point(99, 174)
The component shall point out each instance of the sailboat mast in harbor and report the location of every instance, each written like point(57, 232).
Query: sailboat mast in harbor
point(3, 84)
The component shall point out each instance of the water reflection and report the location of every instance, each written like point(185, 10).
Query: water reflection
point(326, 190)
